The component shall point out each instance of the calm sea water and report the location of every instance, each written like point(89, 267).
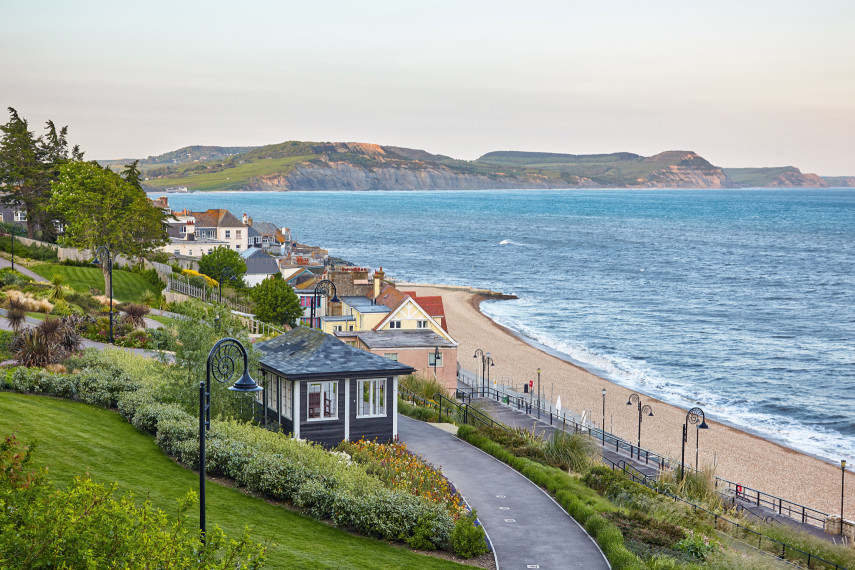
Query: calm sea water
point(740, 301)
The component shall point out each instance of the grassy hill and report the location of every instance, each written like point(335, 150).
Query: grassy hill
point(268, 167)
point(76, 438)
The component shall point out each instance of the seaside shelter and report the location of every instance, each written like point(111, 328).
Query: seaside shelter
point(318, 388)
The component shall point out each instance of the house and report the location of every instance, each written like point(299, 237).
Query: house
point(222, 225)
point(259, 266)
point(320, 389)
point(392, 323)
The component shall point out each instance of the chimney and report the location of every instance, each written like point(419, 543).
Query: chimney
point(190, 235)
point(245, 219)
point(378, 282)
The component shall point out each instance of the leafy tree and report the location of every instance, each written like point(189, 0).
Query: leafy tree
point(276, 302)
point(101, 208)
point(214, 263)
point(28, 165)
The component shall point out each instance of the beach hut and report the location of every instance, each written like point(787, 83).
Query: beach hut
point(318, 388)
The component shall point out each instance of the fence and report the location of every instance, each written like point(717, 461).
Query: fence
point(796, 511)
point(720, 523)
point(203, 293)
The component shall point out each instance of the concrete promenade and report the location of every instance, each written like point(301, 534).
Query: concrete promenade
point(526, 527)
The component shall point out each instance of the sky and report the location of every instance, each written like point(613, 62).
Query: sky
point(742, 83)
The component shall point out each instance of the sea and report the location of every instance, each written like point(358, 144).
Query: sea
point(741, 302)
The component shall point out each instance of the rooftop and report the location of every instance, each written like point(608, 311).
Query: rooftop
point(304, 353)
point(364, 305)
point(397, 338)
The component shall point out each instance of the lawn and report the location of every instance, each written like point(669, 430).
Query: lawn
point(126, 286)
point(76, 438)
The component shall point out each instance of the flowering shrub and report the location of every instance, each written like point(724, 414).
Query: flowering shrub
point(400, 469)
point(208, 281)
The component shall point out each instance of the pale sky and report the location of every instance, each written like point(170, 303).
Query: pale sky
point(743, 83)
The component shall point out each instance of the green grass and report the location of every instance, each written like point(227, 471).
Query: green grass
point(231, 178)
point(37, 316)
point(75, 438)
point(126, 286)
point(161, 320)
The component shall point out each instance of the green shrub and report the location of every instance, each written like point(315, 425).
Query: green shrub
point(420, 413)
point(422, 534)
point(468, 539)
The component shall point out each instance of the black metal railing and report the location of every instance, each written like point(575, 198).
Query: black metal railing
point(781, 506)
point(451, 410)
point(774, 546)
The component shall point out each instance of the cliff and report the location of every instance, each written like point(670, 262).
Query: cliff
point(345, 176)
point(301, 165)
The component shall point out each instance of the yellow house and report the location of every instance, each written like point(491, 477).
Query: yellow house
point(399, 326)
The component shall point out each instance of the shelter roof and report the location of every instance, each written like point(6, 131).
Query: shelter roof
point(304, 353)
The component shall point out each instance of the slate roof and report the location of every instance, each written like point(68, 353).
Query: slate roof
point(400, 338)
point(305, 354)
point(259, 262)
point(364, 305)
point(267, 229)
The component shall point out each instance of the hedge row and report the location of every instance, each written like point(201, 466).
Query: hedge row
point(579, 503)
point(328, 485)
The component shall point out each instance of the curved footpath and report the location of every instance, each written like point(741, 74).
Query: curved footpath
point(527, 528)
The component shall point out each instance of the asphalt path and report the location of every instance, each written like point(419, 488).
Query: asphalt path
point(526, 527)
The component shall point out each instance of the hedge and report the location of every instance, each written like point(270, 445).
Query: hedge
point(577, 500)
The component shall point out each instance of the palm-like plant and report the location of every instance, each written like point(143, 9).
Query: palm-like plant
point(16, 315)
point(57, 287)
point(35, 349)
point(135, 314)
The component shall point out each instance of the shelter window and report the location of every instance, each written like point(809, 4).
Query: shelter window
point(323, 401)
point(372, 398)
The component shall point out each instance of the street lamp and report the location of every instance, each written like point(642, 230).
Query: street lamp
point(604, 418)
point(696, 417)
point(479, 352)
point(488, 362)
point(636, 399)
point(102, 249)
point(436, 357)
point(223, 363)
point(12, 233)
point(324, 288)
point(538, 393)
point(227, 271)
point(842, 482)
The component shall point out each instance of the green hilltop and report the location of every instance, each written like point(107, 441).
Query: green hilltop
point(297, 165)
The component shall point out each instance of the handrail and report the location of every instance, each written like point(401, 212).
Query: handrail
point(628, 469)
point(781, 506)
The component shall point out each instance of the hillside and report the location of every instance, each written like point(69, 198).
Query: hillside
point(302, 165)
point(187, 154)
point(779, 177)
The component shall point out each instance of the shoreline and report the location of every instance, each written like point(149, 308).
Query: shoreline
point(737, 455)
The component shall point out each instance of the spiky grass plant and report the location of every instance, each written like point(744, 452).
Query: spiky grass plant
point(135, 314)
point(576, 450)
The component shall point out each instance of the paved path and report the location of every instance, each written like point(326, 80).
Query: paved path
point(526, 527)
point(20, 269)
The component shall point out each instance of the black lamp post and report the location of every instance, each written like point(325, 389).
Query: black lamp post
point(842, 482)
point(488, 362)
point(324, 288)
point(108, 258)
point(436, 357)
point(636, 399)
point(226, 272)
point(12, 233)
point(479, 352)
point(696, 417)
point(604, 417)
point(223, 362)
point(538, 393)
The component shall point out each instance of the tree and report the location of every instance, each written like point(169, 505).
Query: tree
point(100, 208)
point(131, 174)
point(214, 263)
point(276, 302)
point(28, 165)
